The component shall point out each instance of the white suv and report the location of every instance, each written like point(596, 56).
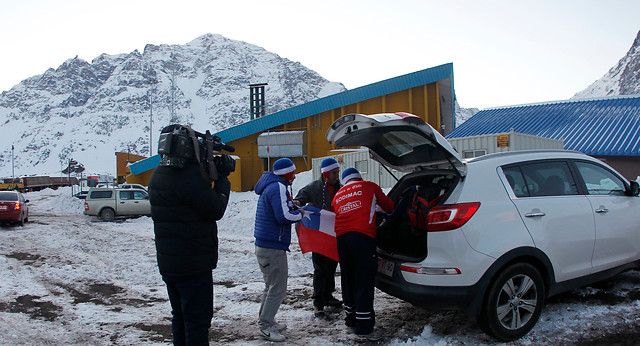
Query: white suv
point(508, 230)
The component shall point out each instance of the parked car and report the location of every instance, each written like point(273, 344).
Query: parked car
point(132, 186)
point(507, 230)
point(108, 203)
point(14, 208)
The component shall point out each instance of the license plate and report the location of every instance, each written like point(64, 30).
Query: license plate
point(3, 207)
point(385, 267)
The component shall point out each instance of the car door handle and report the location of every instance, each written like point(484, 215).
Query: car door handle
point(602, 210)
point(535, 214)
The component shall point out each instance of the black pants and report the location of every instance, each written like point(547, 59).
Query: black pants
point(191, 308)
point(324, 282)
point(358, 266)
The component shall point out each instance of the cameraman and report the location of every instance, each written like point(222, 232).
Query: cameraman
point(184, 209)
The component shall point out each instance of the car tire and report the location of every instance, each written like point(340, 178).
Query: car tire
point(107, 214)
point(21, 222)
point(513, 303)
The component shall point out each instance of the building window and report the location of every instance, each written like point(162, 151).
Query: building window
point(468, 154)
point(362, 166)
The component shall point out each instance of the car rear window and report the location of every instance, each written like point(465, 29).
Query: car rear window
point(8, 196)
point(101, 194)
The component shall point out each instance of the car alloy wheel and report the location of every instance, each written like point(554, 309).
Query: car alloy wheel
point(517, 302)
point(514, 302)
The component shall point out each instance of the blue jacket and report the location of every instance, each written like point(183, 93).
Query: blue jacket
point(275, 213)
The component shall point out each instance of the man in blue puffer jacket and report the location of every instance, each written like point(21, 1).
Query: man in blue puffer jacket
point(274, 216)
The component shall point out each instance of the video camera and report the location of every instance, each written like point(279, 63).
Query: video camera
point(180, 144)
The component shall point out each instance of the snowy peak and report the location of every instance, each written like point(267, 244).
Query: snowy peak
point(622, 79)
point(88, 111)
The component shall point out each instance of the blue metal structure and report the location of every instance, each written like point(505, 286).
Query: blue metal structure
point(600, 127)
point(338, 100)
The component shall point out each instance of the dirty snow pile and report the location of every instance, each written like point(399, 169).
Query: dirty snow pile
point(66, 278)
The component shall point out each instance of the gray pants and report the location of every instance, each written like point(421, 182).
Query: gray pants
point(275, 271)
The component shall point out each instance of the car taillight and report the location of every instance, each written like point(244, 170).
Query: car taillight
point(17, 207)
point(450, 216)
point(86, 206)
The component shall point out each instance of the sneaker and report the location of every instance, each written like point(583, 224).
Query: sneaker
point(271, 334)
point(318, 312)
point(334, 302)
point(376, 335)
point(280, 326)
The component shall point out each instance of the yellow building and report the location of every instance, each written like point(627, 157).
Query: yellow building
point(298, 132)
point(123, 174)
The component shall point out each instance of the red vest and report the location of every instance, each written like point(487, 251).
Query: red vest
point(355, 207)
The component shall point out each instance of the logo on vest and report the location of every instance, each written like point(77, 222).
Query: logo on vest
point(350, 206)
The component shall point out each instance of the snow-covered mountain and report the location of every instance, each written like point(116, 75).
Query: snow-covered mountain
point(88, 111)
point(622, 79)
point(463, 114)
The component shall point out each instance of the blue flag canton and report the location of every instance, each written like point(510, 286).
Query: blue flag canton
point(311, 217)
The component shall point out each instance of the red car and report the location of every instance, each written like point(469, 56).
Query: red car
point(13, 208)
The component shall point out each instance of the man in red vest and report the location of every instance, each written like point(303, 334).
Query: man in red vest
point(355, 207)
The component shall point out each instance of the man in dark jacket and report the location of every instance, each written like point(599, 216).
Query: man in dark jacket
point(274, 216)
point(320, 193)
point(184, 209)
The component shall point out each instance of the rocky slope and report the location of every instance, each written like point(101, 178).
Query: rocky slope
point(622, 79)
point(89, 110)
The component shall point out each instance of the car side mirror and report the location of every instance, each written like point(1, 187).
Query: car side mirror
point(26, 201)
point(634, 189)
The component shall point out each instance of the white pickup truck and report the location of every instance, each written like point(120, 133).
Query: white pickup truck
point(107, 203)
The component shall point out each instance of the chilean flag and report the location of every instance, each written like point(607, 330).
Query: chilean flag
point(316, 232)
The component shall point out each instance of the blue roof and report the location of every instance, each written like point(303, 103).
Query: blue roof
point(605, 126)
point(144, 165)
point(324, 104)
point(338, 100)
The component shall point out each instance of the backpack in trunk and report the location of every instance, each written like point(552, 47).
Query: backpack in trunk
point(422, 201)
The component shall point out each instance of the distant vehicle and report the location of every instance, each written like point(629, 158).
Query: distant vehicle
point(498, 234)
point(11, 184)
point(108, 203)
point(81, 195)
point(13, 208)
point(132, 186)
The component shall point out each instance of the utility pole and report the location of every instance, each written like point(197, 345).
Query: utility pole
point(151, 121)
point(13, 173)
point(74, 163)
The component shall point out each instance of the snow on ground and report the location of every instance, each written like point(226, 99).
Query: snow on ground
point(66, 278)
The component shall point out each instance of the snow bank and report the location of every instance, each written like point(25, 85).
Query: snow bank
point(59, 201)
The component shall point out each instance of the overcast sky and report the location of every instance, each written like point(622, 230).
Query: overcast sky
point(503, 52)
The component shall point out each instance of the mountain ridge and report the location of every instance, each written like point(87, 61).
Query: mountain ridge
point(622, 79)
point(87, 110)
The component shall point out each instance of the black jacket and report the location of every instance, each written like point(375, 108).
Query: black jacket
point(314, 193)
point(184, 209)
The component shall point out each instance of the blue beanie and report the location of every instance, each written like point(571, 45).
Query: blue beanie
point(283, 166)
point(328, 165)
point(350, 173)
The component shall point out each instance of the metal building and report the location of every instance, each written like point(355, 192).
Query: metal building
point(360, 159)
point(474, 146)
point(607, 128)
